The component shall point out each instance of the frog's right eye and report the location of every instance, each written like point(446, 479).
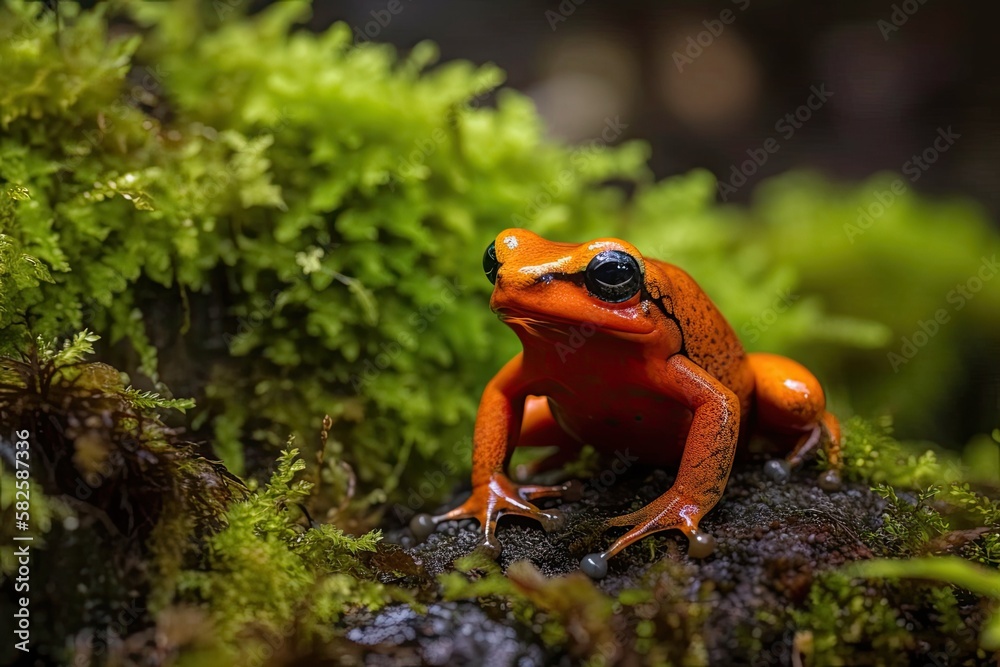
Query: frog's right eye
point(490, 263)
point(613, 276)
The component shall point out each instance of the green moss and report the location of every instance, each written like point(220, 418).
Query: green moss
point(131, 497)
point(951, 571)
point(872, 455)
point(846, 623)
point(268, 575)
point(854, 617)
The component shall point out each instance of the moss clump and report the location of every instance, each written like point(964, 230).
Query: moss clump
point(269, 576)
point(131, 497)
point(854, 616)
point(930, 505)
point(878, 612)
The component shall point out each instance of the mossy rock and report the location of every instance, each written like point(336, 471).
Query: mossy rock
point(774, 587)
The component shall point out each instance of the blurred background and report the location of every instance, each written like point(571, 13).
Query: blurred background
point(897, 72)
point(808, 114)
point(847, 89)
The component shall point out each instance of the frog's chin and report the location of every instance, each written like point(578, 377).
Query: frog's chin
point(540, 324)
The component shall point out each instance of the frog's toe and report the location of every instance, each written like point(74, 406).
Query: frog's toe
point(422, 525)
point(569, 491)
point(700, 544)
point(778, 470)
point(595, 566)
point(551, 520)
point(830, 480)
point(489, 546)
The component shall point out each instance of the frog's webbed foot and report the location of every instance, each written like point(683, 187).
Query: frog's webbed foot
point(667, 512)
point(497, 497)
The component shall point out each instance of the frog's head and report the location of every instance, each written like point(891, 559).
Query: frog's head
point(561, 285)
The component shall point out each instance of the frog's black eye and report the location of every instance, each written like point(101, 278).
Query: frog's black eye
point(613, 276)
point(490, 263)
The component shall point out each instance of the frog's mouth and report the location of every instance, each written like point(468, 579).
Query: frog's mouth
point(534, 324)
point(538, 325)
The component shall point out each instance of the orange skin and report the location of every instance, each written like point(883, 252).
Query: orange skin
point(660, 377)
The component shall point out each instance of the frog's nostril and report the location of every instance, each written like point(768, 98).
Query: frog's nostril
point(490, 263)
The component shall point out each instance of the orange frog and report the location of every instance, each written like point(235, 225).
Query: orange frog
point(659, 374)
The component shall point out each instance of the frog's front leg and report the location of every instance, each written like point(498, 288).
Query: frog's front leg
point(704, 469)
point(498, 425)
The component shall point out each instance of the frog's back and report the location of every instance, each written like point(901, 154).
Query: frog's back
point(707, 338)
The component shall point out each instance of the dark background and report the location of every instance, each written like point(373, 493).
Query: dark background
point(940, 68)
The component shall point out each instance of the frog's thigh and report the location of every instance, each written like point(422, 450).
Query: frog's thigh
point(789, 397)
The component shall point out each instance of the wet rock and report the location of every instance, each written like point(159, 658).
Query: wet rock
point(771, 541)
point(448, 634)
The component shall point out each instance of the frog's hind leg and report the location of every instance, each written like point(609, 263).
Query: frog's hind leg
point(790, 401)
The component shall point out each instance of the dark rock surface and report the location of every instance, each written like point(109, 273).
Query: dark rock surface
point(772, 540)
point(458, 633)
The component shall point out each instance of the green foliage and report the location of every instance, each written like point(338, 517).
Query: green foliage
point(150, 400)
point(18, 271)
point(871, 454)
point(909, 263)
point(911, 524)
point(266, 575)
point(848, 623)
point(953, 517)
point(930, 505)
point(851, 617)
point(930, 508)
point(949, 570)
point(117, 497)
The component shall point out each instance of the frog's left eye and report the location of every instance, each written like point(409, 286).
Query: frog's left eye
point(490, 263)
point(613, 276)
